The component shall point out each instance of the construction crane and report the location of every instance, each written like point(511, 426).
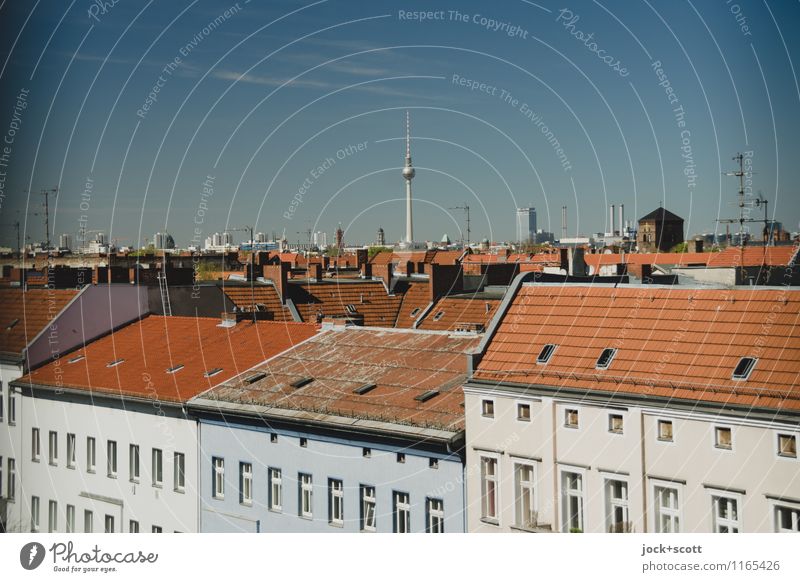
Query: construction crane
point(465, 208)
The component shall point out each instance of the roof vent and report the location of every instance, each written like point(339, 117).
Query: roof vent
point(438, 316)
point(255, 377)
point(76, 359)
point(425, 396)
point(12, 324)
point(114, 363)
point(744, 368)
point(301, 382)
point(212, 372)
point(605, 359)
point(546, 353)
point(174, 369)
point(364, 388)
point(228, 319)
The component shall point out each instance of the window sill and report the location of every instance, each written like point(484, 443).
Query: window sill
point(367, 530)
point(491, 521)
point(334, 524)
point(785, 456)
point(35, 460)
point(71, 467)
point(134, 481)
point(723, 448)
point(308, 517)
point(665, 440)
point(276, 509)
point(158, 486)
point(615, 432)
point(487, 415)
point(219, 497)
point(523, 419)
point(246, 503)
point(572, 426)
point(90, 471)
point(111, 476)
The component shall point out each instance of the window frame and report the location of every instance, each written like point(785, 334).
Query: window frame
point(218, 477)
point(134, 463)
point(544, 358)
point(572, 409)
point(111, 459)
point(778, 505)
point(157, 468)
point(91, 454)
point(11, 489)
point(613, 503)
point(568, 494)
point(778, 453)
point(88, 521)
point(109, 523)
point(335, 502)
point(490, 482)
point(245, 483)
point(611, 417)
point(178, 472)
point(659, 438)
point(275, 477)
point(12, 407)
point(70, 518)
point(609, 361)
point(745, 375)
point(368, 501)
point(133, 526)
point(521, 406)
point(674, 515)
point(529, 486)
point(717, 497)
point(36, 445)
point(52, 448)
point(35, 513)
point(305, 491)
point(52, 516)
point(401, 512)
point(434, 516)
point(487, 407)
point(715, 437)
point(72, 454)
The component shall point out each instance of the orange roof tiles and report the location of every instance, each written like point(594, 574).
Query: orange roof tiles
point(403, 365)
point(266, 299)
point(367, 298)
point(34, 309)
point(730, 257)
point(451, 311)
point(675, 343)
point(416, 297)
point(150, 346)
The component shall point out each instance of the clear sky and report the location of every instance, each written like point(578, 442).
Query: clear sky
point(513, 103)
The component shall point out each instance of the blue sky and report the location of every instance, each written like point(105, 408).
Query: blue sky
point(260, 97)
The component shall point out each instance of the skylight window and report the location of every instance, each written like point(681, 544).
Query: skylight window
point(438, 316)
point(414, 312)
point(744, 368)
point(427, 395)
point(114, 363)
point(174, 369)
point(301, 382)
point(76, 359)
point(605, 359)
point(212, 372)
point(546, 353)
point(351, 309)
point(364, 388)
point(255, 377)
point(12, 324)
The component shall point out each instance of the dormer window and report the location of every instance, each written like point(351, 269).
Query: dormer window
point(605, 359)
point(546, 353)
point(744, 368)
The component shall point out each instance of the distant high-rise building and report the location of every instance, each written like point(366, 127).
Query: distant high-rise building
point(100, 238)
point(65, 242)
point(320, 239)
point(526, 225)
point(339, 238)
point(380, 240)
point(261, 237)
point(163, 240)
point(227, 239)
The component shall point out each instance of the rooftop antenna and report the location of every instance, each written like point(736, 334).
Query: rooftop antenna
point(465, 208)
point(742, 203)
point(46, 193)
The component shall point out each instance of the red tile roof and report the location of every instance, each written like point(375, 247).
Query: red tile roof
point(402, 365)
point(266, 299)
point(150, 346)
point(416, 297)
point(34, 309)
point(730, 257)
point(332, 298)
point(460, 310)
point(675, 343)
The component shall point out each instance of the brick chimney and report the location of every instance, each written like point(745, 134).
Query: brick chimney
point(384, 272)
point(278, 274)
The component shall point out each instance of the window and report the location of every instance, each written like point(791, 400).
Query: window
point(273, 438)
point(744, 368)
point(351, 309)
point(572, 502)
point(246, 483)
point(402, 512)
point(275, 490)
point(52, 451)
point(665, 430)
point(487, 408)
point(12, 407)
point(156, 529)
point(178, 472)
point(726, 514)
point(52, 516)
point(414, 312)
point(787, 519)
point(218, 477)
point(438, 316)
point(605, 359)
point(70, 451)
point(1, 401)
point(571, 417)
point(335, 502)
point(489, 488)
point(434, 509)
point(667, 504)
point(34, 513)
point(615, 423)
point(366, 452)
point(723, 437)
point(109, 523)
point(367, 508)
point(401, 457)
point(158, 468)
point(12, 480)
point(787, 445)
point(133, 463)
point(303, 442)
point(524, 412)
point(70, 518)
point(111, 456)
point(1, 477)
point(433, 463)
point(524, 496)
point(90, 454)
point(133, 526)
point(546, 354)
point(36, 450)
point(88, 521)
point(305, 494)
point(617, 507)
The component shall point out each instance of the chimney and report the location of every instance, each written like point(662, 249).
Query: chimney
point(563, 222)
point(362, 256)
point(621, 220)
point(315, 271)
point(279, 275)
point(611, 220)
point(577, 264)
point(698, 245)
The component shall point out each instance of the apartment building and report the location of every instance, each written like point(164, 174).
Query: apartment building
point(354, 430)
point(636, 409)
point(107, 444)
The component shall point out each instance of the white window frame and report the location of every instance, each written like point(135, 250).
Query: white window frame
point(218, 477)
point(715, 440)
point(726, 498)
point(434, 515)
point(12, 407)
point(519, 405)
point(1, 476)
point(490, 485)
point(88, 521)
point(613, 503)
point(522, 488)
point(35, 513)
point(611, 415)
point(70, 516)
point(305, 483)
point(486, 404)
point(658, 431)
point(36, 445)
point(245, 483)
point(133, 526)
point(91, 454)
point(71, 450)
point(2, 401)
point(179, 472)
point(568, 494)
point(777, 505)
point(156, 529)
point(52, 448)
point(777, 441)
point(336, 502)
point(52, 516)
point(111, 458)
point(674, 515)
point(134, 463)
point(11, 493)
point(566, 410)
point(401, 512)
point(369, 508)
point(108, 523)
point(157, 467)
point(275, 489)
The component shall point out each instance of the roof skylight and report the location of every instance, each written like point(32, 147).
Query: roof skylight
point(212, 372)
point(546, 353)
point(744, 368)
point(605, 359)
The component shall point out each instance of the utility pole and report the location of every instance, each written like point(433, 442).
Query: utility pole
point(465, 208)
